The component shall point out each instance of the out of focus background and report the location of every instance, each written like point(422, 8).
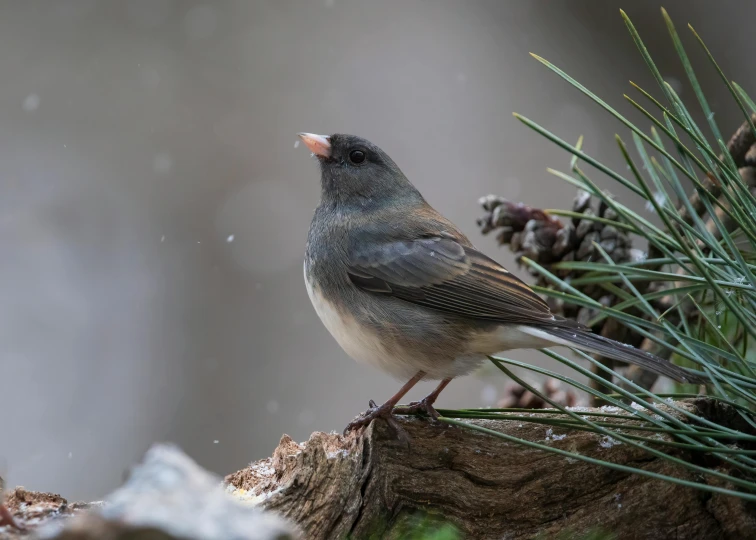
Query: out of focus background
point(154, 209)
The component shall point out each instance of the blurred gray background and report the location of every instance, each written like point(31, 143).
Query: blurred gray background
point(154, 210)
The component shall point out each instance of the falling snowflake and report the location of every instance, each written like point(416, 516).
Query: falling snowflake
point(162, 163)
point(272, 406)
point(31, 103)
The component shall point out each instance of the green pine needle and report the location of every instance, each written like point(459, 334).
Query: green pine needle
point(710, 265)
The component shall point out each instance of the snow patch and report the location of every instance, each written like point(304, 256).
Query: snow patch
point(611, 409)
point(608, 442)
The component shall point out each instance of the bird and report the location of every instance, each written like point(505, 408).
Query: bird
point(401, 288)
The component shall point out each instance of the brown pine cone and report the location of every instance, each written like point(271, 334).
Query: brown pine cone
point(543, 238)
point(517, 397)
point(535, 234)
point(529, 231)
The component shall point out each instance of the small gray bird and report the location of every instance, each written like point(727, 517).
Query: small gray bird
point(401, 288)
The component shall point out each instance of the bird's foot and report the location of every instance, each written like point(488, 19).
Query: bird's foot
point(425, 406)
point(384, 411)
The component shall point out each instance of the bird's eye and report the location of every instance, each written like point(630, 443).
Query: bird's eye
point(357, 156)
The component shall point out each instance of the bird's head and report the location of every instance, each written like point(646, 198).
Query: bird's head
point(354, 171)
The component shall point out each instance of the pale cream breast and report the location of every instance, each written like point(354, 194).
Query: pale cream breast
point(357, 341)
point(366, 345)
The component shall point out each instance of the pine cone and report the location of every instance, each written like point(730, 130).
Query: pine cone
point(517, 397)
point(543, 238)
point(535, 234)
point(529, 231)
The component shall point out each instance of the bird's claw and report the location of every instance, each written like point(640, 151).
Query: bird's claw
point(384, 411)
point(374, 411)
point(423, 406)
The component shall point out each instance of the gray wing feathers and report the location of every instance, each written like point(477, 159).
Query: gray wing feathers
point(441, 274)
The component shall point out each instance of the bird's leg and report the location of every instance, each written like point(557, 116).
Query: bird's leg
point(386, 410)
point(426, 404)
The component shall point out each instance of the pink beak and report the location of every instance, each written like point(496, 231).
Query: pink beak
point(320, 145)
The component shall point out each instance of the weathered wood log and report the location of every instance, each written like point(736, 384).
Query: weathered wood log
point(371, 485)
point(374, 485)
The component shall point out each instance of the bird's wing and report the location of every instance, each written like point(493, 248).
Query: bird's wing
point(442, 274)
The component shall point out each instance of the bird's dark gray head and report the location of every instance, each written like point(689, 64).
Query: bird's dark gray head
point(355, 172)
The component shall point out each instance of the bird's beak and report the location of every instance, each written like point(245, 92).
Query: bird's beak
point(320, 145)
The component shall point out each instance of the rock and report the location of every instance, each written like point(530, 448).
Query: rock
point(167, 496)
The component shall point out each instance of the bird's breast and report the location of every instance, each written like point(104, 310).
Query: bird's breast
point(358, 340)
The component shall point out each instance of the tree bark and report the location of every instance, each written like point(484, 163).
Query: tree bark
point(372, 485)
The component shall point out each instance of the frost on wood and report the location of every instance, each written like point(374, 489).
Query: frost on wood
point(370, 485)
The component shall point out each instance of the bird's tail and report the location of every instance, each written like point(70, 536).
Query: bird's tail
point(594, 343)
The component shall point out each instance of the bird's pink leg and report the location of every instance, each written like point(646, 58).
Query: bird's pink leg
point(385, 411)
point(426, 404)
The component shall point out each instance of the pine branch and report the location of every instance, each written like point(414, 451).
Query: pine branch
point(543, 238)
